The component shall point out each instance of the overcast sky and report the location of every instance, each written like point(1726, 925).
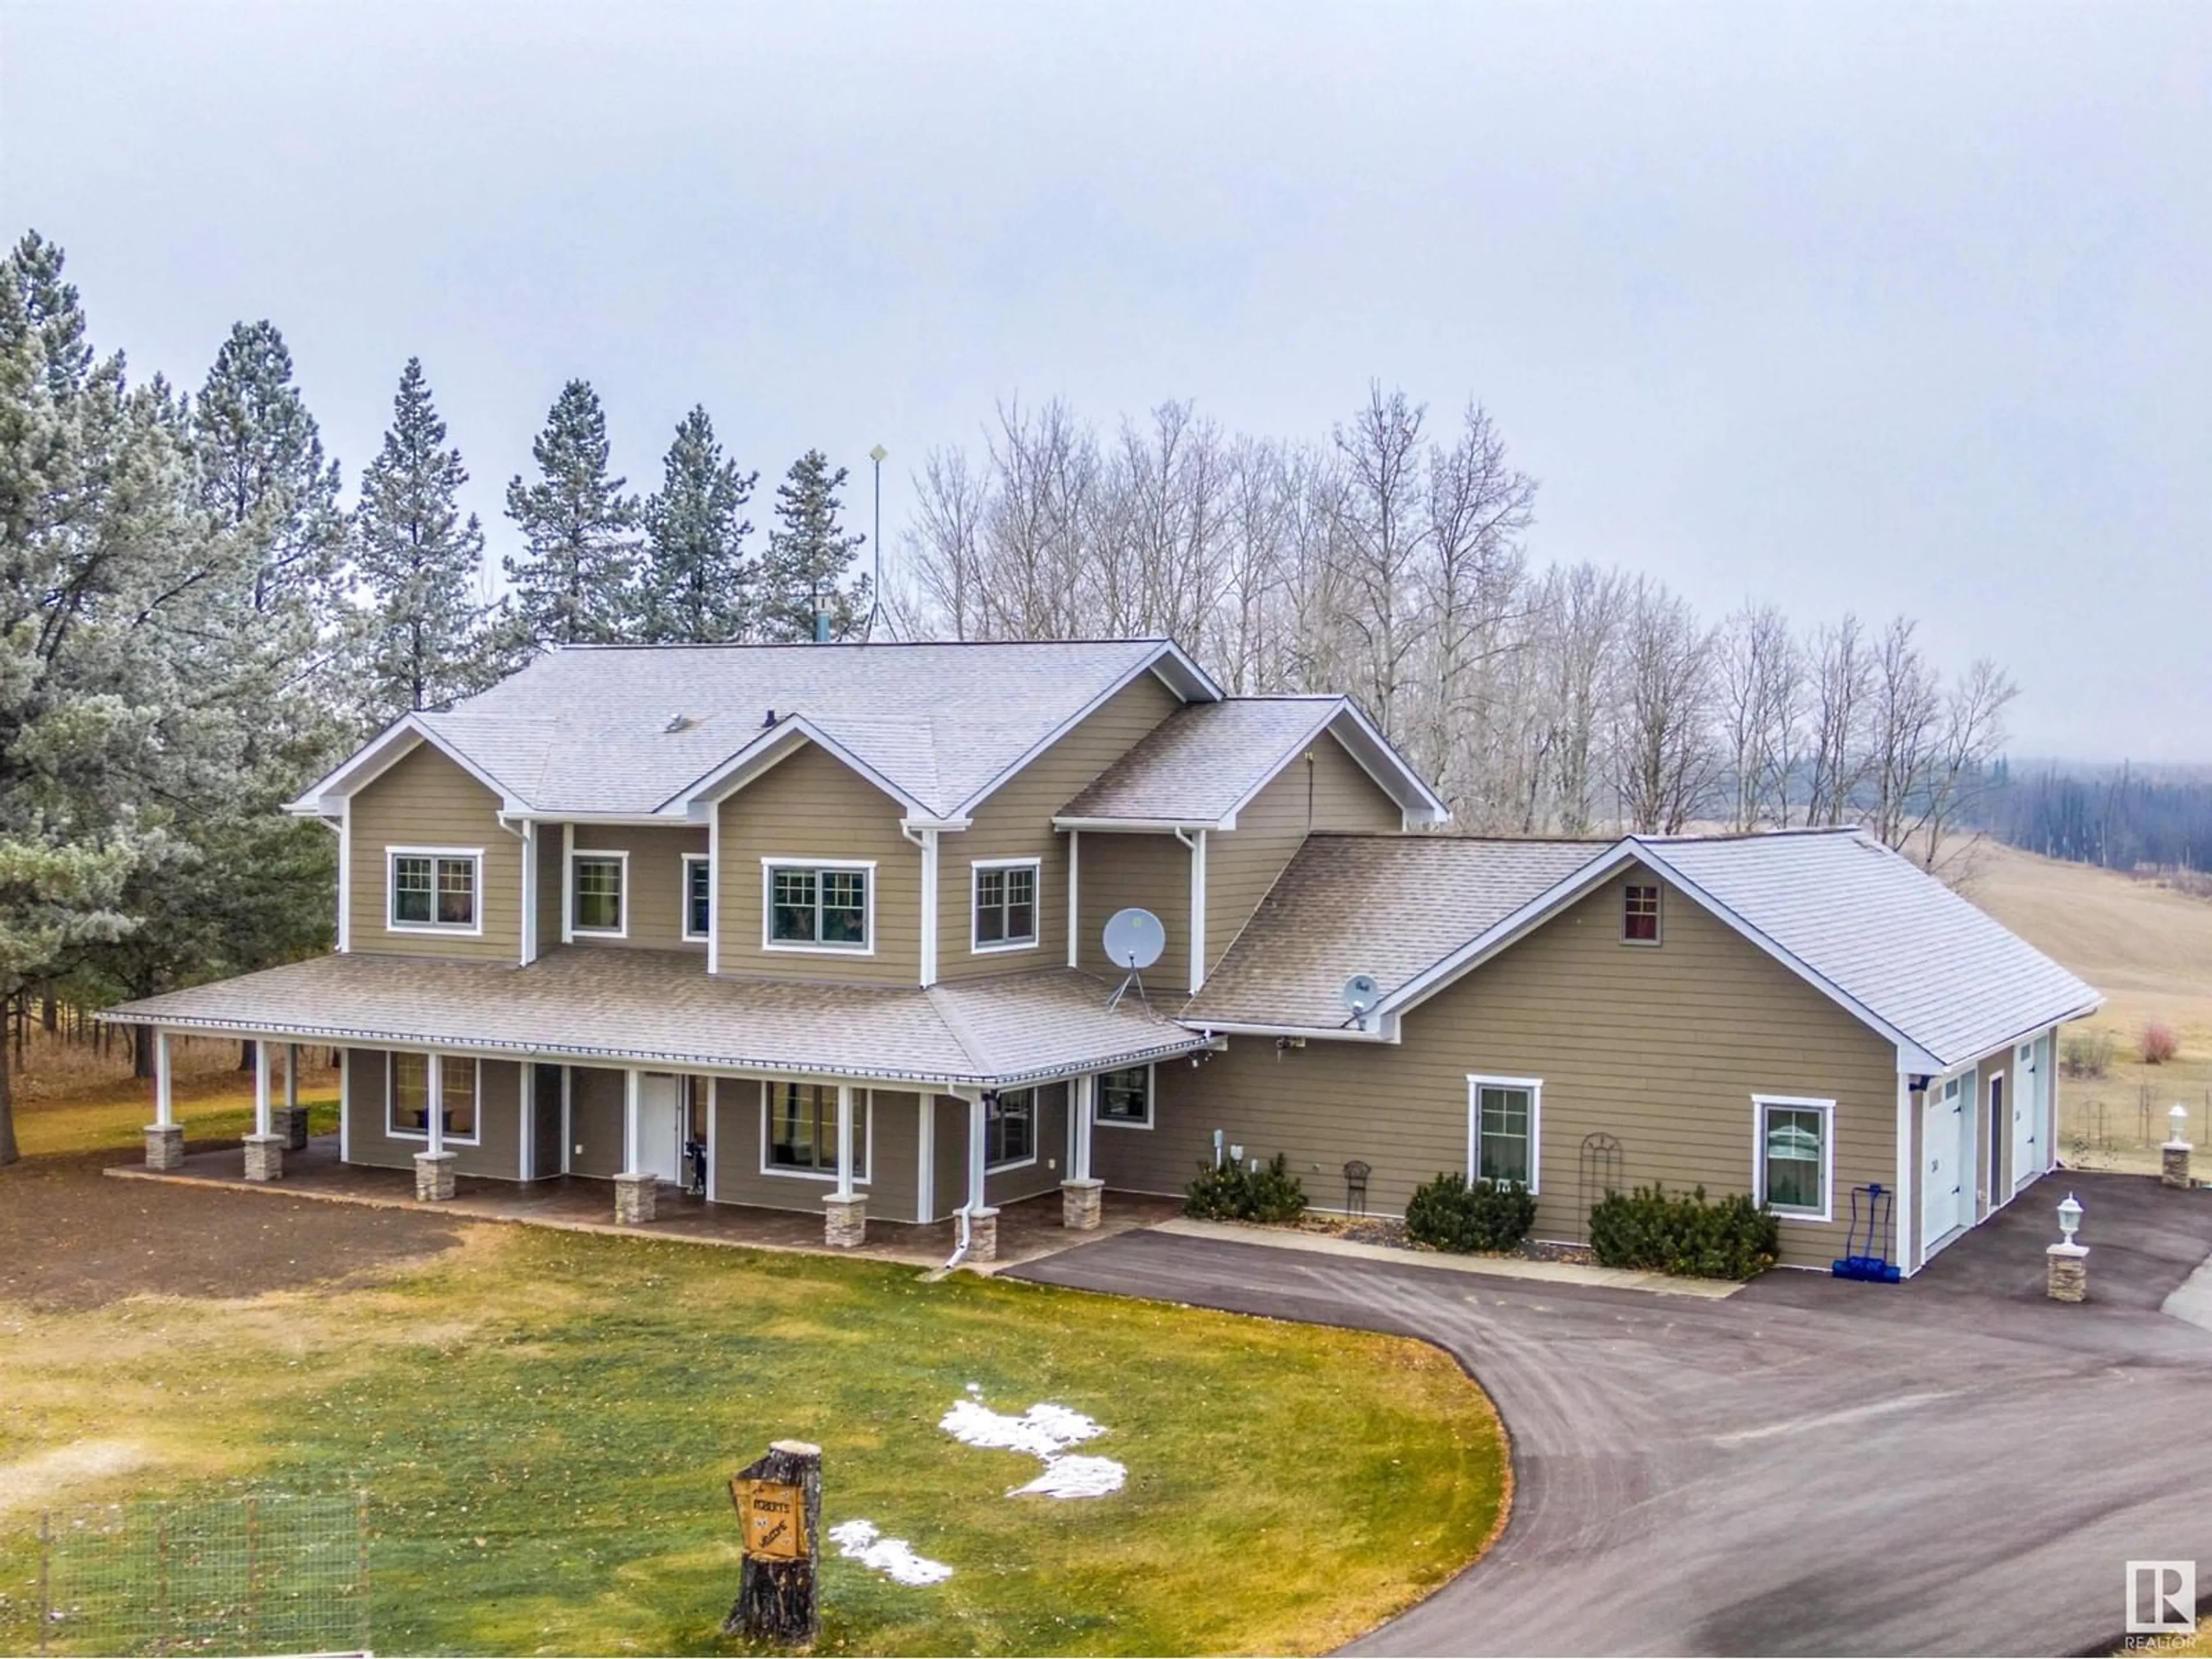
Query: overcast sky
point(1844, 306)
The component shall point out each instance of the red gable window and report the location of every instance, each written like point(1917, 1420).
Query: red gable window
point(1639, 913)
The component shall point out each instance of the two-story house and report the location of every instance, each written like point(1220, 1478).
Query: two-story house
point(821, 928)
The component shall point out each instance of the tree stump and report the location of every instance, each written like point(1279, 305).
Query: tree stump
point(779, 1501)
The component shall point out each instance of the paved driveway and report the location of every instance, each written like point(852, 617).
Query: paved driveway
point(1952, 1466)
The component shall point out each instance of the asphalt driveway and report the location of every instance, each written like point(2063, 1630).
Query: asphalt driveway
point(1956, 1465)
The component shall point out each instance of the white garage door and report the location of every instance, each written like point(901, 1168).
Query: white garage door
point(1947, 1192)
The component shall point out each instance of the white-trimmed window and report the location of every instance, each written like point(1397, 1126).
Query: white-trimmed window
point(1010, 1129)
point(1504, 1128)
point(698, 895)
point(818, 906)
point(598, 882)
point(798, 1130)
point(1639, 913)
point(1004, 915)
point(1125, 1098)
point(407, 1097)
point(1795, 1156)
point(434, 889)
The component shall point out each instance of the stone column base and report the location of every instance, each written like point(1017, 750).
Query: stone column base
point(290, 1124)
point(165, 1146)
point(1080, 1204)
point(433, 1177)
point(983, 1235)
point(2068, 1279)
point(637, 1199)
point(845, 1222)
point(2173, 1165)
point(265, 1157)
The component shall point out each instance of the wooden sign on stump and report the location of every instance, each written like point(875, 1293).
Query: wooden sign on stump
point(778, 1503)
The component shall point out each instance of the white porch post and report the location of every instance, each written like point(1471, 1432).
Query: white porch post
point(637, 1192)
point(527, 1141)
point(434, 1164)
point(1074, 907)
point(264, 1151)
point(1080, 1194)
point(845, 1213)
point(291, 1077)
point(164, 1139)
point(982, 1220)
point(1086, 1107)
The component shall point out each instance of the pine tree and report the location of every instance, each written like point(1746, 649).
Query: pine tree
point(809, 554)
point(696, 583)
point(427, 640)
point(574, 585)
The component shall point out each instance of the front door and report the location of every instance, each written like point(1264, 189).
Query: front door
point(660, 1127)
point(2026, 1116)
point(1945, 1152)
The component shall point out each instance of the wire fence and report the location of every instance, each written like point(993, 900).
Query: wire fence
point(2115, 1127)
point(265, 1574)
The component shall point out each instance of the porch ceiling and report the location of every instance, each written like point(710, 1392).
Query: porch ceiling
point(660, 1007)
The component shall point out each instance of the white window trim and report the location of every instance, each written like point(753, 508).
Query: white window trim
point(1036, 1115)
point(450, 929)
point(684, 899)
point(1795, 1103)
point(864, 1106)
point(1658, 937)
point(1035, 940)
point(769, 942)
point(391, 1130)
point(621, 856)
point(1152, 1100)
point(1476, 1083)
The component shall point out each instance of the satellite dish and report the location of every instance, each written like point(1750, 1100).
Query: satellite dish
point(1360, 994)
point(1134, 939)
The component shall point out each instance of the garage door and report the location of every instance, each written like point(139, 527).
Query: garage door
point(1947, 1190)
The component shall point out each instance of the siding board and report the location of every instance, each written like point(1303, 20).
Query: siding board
point(499, 1111)
point(653, 903)
point(426, 800)
point(893, 1173)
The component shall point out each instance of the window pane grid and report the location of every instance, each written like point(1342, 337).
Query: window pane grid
point(818, 906)
point(1009, 1127)
point(1126, 1096)
point(803, 1129)
point(1795, 1151)
point(1639, 915)
point(429, 891)
point(698, 897)
point(1005, 906)
point(1502, 1153)
point(597, 883)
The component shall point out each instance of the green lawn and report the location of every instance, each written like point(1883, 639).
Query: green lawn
point(546, 1420)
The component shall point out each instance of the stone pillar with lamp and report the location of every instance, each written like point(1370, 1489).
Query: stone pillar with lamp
point(2067, 1278)
point(2173, 1156)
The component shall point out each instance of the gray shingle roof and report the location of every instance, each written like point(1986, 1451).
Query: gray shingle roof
point(1198, 764)
point(659, 1008)
point(583, 730)
point(1385, 905)
point(1888, 934)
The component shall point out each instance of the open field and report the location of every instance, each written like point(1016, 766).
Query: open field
point(545, 1421)
point(2148, 949)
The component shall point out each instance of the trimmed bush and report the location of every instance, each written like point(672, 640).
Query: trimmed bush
point(1236, 1192)
point(1449, 1213)
point(2159, 1044)
point(2086, 1054)
point(1659, 1231)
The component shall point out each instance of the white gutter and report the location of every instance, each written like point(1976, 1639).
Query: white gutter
point(924, 835)
point(1196, 842)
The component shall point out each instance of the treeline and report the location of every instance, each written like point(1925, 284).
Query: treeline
point(196, 621)
point(1389, 559)
point(2116, 817)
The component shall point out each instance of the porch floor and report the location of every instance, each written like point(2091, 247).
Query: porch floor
point(1027, 1228)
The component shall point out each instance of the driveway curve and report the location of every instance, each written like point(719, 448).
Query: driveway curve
point(1956, 1465)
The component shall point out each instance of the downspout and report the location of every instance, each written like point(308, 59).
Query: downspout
point(1195, 840)
point(926, 839)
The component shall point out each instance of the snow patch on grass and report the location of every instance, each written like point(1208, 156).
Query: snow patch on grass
point(894, 1558)
point(1045, 1431)
point(1075, 1477)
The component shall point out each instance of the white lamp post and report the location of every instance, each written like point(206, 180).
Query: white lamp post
point(2067, 1264)
point(2178, 1117)
point(2069, 1218)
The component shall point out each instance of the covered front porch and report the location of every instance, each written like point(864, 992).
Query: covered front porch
point(1027, 1228)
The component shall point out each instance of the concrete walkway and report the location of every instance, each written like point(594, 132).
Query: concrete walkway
point(1953, 1464)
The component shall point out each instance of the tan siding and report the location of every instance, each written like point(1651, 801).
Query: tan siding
point(1115, 872)
point(653, 902)
point(426, 800)
point(893, 1163)
point(1660, 1048)
point(1016, 822)
point(549, 886)
point(499, 1113)
point(812, 806)
point(1322, 789)
point(1000, 1186)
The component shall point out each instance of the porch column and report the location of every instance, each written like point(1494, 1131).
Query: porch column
point(845, 1223)
point(291, 1123)
point(637, 1194)
point(982, 1220)
point(1079, 1194)
point(434, 1166)
point(264, 1149)
point(165, 1136)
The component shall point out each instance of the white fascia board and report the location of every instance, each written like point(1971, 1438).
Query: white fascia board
point(917, 823)
point(701, 796)
point(1167, 661)
point(385, 750)
point(1146, 826)
point(1327, 716)
point(1422, 805)
point(2035, 1027)
point(1386, 1030)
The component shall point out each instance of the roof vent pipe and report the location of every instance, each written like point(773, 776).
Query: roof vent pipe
point(769, 720)
point(821, 617)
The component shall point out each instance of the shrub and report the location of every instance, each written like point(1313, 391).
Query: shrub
point(2158, 1043)
point(1450, 1214)
point(1659, 1231)
point(1236, 1192)
point(2086, 1054)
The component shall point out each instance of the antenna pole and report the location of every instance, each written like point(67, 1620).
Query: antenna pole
point(876, 603)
